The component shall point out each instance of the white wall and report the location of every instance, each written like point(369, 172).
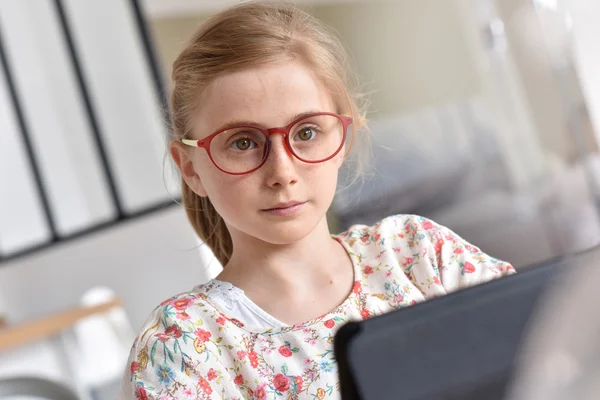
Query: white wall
point(144, 261)
point(534, 48)
point(408, 54)
point(585, 15)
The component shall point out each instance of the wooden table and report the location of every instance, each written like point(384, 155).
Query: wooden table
point(18, 335)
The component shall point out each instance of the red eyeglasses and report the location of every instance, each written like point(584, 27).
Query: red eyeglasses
point(242, 149)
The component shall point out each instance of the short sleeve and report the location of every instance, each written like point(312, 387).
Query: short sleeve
point(438, 261)
point(160, 363)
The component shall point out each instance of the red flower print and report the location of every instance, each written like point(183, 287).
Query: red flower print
point(239, 380)
point(407, 261)
point(221, 321)
point(205, 385)
point(183, 316)
point(365, 238)
point(471, 248)
point(241, 354)
point(458, 250)
point(329, 323)
point(436, 280)
point(253, 357)
point(140, 393)
point(299, 382)
point(368, 270)
point(134, 367)
point(203, 335)
point(237, 323)
point(427, 225)
point(281, 383)
point(164, 303)
point(398, 298)
point(377, 237)
point(285, 351)
point(469, 268)
point(260, 392)
point(211, 374)
point(250, 392)
point(365, 313)
point(356, 288)
point(438, 245)
point(172, 332)
point(181, 304)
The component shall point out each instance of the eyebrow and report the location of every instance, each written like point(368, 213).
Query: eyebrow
point(238, 122)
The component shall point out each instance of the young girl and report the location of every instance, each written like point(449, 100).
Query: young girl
point(263, 116)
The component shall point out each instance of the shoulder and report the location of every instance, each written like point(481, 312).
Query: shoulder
point(401, 227)
point(182, 312)
point(174, 343)
point(169, 320)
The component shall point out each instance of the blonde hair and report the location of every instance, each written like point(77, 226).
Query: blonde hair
point(245, 36)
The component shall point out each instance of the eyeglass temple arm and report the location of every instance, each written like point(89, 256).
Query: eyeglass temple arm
point(191, 142)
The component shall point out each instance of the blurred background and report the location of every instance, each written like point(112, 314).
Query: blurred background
point(485, 117)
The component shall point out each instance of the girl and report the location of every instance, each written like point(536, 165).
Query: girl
point(263, 116)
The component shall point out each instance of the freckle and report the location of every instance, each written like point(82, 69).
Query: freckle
point(331, 282)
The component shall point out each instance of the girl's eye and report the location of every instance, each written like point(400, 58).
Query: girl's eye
point(243, 144)
point(306, 134)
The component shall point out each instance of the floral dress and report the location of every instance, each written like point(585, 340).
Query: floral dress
point(190, 349)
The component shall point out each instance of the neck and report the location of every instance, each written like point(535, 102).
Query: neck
point(256, 265)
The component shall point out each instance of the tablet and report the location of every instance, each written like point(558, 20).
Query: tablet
point(459, 346)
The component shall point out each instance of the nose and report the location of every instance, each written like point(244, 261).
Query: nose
point(280, 167)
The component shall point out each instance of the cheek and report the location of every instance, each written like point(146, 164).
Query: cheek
point(228, 193)
point(322, 179)
point(212, 179)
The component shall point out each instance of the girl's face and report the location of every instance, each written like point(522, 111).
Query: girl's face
point(269, 96)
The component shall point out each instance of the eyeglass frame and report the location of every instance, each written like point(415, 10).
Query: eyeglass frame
point(284, 130)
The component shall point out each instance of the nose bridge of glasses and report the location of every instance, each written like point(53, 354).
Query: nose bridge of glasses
point(283, 131)
point(275, 131)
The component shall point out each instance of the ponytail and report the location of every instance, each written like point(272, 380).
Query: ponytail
point(208, 224)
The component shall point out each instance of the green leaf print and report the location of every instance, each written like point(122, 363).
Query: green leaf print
point(153, 352)
point(284, 369)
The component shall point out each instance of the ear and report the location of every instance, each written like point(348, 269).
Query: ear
point(181, 157)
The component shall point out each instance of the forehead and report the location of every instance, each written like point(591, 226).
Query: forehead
point(270, 96)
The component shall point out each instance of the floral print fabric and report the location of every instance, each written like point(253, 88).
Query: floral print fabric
point(190, 349)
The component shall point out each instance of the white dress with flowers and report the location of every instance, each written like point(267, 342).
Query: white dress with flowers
point(190, 348)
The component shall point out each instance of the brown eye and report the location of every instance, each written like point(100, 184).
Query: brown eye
point(306, 134)
point(243, 144)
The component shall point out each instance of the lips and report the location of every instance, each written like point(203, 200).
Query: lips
point(288, 204)
point(287, 209)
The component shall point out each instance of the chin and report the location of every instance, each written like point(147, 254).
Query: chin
point(284, 231)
